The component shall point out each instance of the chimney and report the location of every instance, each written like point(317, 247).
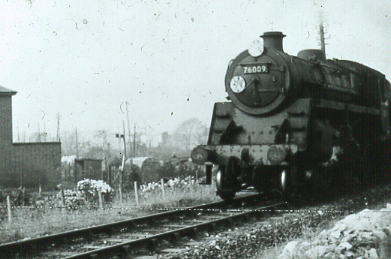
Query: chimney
point(273, 39)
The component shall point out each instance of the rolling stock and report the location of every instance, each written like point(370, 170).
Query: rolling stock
point(295, 123)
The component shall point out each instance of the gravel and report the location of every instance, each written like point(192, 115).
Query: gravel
point(252, 238)
point(366, 234)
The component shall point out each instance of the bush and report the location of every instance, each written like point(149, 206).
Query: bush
point(175, 184)
point(90, 188)
point(86, 193)
point(18, 196)
point(72, 199)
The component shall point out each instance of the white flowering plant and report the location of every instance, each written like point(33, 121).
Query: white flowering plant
point(90, 188)
point(72, 199)
point(175, 184)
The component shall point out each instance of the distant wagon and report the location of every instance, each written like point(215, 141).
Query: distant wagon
point(149, 168)
point(75, 169)
point(89, 168)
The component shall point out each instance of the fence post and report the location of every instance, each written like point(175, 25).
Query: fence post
point(9, 209)
point(121, 173)
point(162, 184)
point(24, 196)
point(136, 193)
point(100, 200)
point(120, 193)
point(62, 195)
point(39, 190)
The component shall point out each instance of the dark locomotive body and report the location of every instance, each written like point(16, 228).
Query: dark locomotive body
point(296, 121)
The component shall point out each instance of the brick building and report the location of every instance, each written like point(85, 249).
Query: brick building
point(27, 164)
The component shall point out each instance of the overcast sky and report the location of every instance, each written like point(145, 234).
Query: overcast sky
point(82, 59)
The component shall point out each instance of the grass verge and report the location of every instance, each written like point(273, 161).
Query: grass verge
point(33, 222)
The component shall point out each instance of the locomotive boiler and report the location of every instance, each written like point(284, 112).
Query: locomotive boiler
point(296, 123)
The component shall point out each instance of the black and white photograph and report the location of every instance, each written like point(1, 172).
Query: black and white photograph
point(170, 129)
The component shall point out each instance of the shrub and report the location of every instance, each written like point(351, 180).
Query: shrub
point(72, 199)
point(175, 184)
point(86, 193)
point(90, 189)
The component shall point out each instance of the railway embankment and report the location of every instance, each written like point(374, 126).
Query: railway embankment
point(366, 234)
point(352, 225)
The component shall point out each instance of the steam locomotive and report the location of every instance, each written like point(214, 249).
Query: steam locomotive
point(295, 123)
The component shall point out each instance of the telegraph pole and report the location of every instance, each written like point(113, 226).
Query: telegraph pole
point(123, 160)
point(58, 127)
point(39, 133)
point(128, 124)
point(77, 144)
point(119, 136)
point(44, 133)
point(123, 137)
point(134, 140)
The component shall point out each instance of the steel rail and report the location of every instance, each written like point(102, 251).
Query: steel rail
point(128, 248)
point(41, 243)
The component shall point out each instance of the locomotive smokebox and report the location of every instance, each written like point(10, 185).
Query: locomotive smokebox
point(273, 39)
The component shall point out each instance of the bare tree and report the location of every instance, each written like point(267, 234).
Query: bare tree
point(190, 133)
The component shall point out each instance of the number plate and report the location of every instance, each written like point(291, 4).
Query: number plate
point(255, 69)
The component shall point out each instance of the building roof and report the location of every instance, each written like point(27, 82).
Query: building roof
point(6, 91)
point(68, 159)
point(137, 161)
point(73, 158)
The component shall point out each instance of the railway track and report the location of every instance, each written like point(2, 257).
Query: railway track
point(137, 235)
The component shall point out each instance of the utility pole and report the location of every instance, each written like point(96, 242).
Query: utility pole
point(123, 160)
point(108, 165)
point(128, 124)
point(58, 127)
point(39, 133)
point(44, 133)
point(123, 136)
point(77, 145)
point(134, 140)
point(119, 136)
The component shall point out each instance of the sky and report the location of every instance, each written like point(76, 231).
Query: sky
point(85, 59)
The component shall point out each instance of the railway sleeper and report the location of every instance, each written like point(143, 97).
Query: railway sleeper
point(177, 237)
point(125, 249)
point(153, 244)
point(89, 235)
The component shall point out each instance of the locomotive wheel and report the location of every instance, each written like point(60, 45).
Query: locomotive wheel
point(226, 182)
point(285, 182)
point(226, 195)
